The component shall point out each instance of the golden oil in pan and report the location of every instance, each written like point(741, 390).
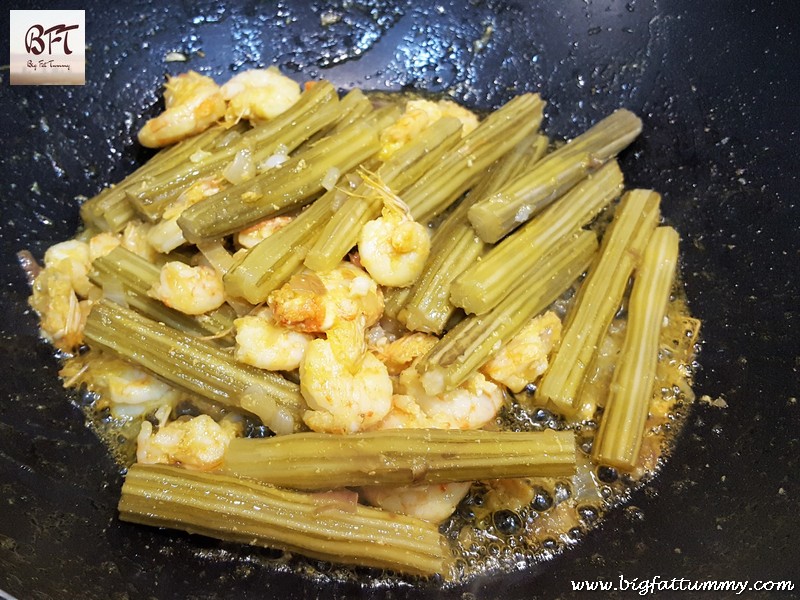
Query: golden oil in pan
point(509, 525)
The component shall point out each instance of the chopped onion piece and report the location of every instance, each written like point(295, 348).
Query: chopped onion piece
point(241, 168)
point(114, 290)
point(216, 254)
point(353, 180)
point(199, 156)
point(166, 236)
point(227, 139)
point(175, 57)
point(258, 401)
point(330, 179)
point(584, 486)
point(276, 159)
point(29, 265)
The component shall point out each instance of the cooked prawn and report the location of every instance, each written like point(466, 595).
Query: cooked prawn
point(404, 413)
point(72, 259)
point(197, 443)
point(102, 243)
point(250, 236)
point(193, 103)
point(469, 120)
point(259, 95)
point(433, 503)
point(393, 248)
point(398, 354)
point(524, 358)
point(417, 116)
point(348, 342)
point(471, 405)
point(191, 290)
point(342, 401)
point(60, 293)
point(127, 390)
point(61, 314)
point(263, 343)
point(127, 384)
point(315, 302)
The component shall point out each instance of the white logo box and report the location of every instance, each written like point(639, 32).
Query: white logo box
point(47, 47)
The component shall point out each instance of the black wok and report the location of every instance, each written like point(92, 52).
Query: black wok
point(716, 85)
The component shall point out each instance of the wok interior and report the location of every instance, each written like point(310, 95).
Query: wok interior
point(713, 90)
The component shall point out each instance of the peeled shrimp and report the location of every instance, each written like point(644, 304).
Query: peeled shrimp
point(250, 236)
point(524, 358)
point(130, 391)
point(393, 248)
point(342, 401)
point(433, 503)
point(127, 384)
point(102, 243)
point(193, 103)
point(469, 120)
point(347, 387)
point(405, 413)
point(418, 115)
point(398, 355)
point(315, 302)
point(471, 405)
point(61, 314)
point(191, 290)
point(197, 443)
point(72, 259)
point(263, 343)
point(59, 293)
point(259, 95)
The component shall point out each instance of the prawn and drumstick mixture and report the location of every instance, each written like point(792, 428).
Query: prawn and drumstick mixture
point(373, 329)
